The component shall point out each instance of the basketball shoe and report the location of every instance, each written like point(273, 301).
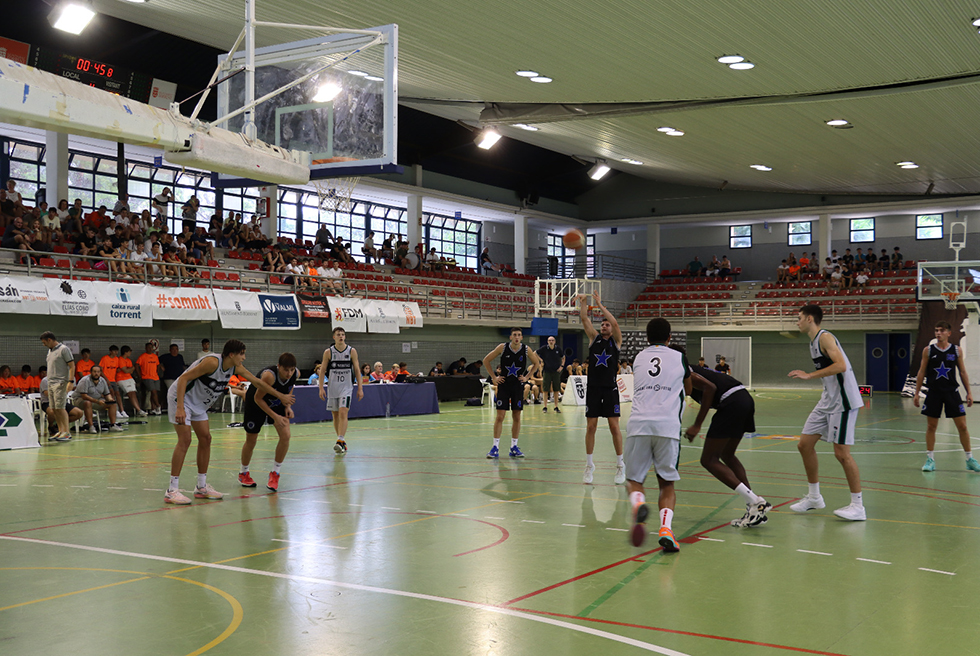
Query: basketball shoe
point(620, 476)
point(340, 448)
point(930, 465)
point(175, 497)
point(667, 540)
point(494, 453)
point(515, 452)
point(852, 512)
point(808, 503)
point(207, 492)
point(246, 480)
point(755, 515)
point(973, 465)
point(587, 476)
point(273, 483)
point(639, 533)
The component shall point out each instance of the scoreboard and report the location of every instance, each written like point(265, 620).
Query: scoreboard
point(101, 75)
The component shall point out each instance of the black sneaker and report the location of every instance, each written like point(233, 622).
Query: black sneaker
point(557, 410)
point(545, 408)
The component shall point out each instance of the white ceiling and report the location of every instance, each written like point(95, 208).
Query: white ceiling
point(665, 50)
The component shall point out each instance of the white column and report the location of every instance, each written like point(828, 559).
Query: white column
point(520, 244)
point(824, 238)
point(269, 220)
point(56, 165)
point(414, 220)
point(653, 246)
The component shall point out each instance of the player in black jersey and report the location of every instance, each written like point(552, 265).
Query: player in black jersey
point(602, 391)
point(260, 409)
point(939, 364)
point(734, 416)
point(514, 358)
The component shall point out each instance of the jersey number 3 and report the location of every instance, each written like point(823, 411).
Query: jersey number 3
point(656, 368)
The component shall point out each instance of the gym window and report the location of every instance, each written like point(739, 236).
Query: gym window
point(740, 236)
point(800, 233)
point(862, 230)
point(929, 226)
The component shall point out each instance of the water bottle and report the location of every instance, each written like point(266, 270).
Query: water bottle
point(387, 411)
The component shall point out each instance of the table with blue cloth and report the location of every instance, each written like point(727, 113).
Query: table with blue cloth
point(397, 398)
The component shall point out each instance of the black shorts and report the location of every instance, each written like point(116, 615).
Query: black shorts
point(601, 401)
point(510, 397)
point(551, 381)
point(255, 418)
point(734, 418)
point(939, 400)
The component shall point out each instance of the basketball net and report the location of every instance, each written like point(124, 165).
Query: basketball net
point(335, 194)
point(950, 299)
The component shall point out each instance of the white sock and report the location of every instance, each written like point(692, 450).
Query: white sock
point(244, 469)
point(619, 461)
point(276, 466)
point(666, 515)
point(513, 442)
point(969, 454)
point(174, 483)
point(931, 454)
point(202, 480)
point(636, 498)
point(747, 495)
point(856, 499)
point(813, 489)
point(496, 442)
point(588, 459)
point(340, 438)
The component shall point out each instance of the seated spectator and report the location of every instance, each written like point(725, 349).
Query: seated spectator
point(106, 250)
point(88, 244)
point(859, 257)
point(295, 272)
point(898, 262)
point(847, 258)
point(714, 267)
point(237, 386)
point(814, 263)
point(884, 261)
point(341, 252)
point(725, 268)
point(625, 368)
point(98, 220)
point(861, 277)
point(846, 276)
point(695, 267)
point(793, 273)
point(377, 374)
point(84, 364)
point(437, 370)
point(834, 259)
point(836, 278)
point(137, 259)
point(474, 369)
point(26, 383)
point(401, 256)
point(722, 366)
point(201, 248)
point(323, 239)
point(17, 236)
point(387, 250)
point(368, 248)
point(828, 270)
point(51, 227)
point(15, 198)
point(314, 377)
point(432, 260)
point(871, 260)
point(8, 384)
point(456, 368)
point(804, 264)
point(331, 278)
point(365, 373)
point(91, 392)
point(486, 264)
point(782, 271)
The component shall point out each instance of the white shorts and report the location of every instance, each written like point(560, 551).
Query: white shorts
point(642, 452)
point(833, 427)
point(126, 386)
point(192, 412)
point(335, 404)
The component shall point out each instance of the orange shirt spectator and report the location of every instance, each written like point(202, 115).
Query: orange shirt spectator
point(8, 384)
point(120, 374)
point(26, 384)
point(83, 366)
point(804, 262)
point(794, 270)
point(109, 364)
point(149, 365)
point(234, 381)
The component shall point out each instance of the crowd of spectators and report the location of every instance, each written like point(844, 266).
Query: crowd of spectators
point(840, 271)
point(720, 268)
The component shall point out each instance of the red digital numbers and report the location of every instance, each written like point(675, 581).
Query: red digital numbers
point(88, 65)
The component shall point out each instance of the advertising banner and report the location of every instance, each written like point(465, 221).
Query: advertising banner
point(23, 295)
point(280, 311)
point(347, 313)
point(183, 303)
point(382, 316)
point(314, 307)
point(121, 304)
point(238, 309)
point(72, 298)
point(575, 389)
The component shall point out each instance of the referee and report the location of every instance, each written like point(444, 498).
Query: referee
point(554, 362)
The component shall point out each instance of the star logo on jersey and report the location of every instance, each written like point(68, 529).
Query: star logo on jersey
point(512, 370)
point(601, 359)
point(942, 371)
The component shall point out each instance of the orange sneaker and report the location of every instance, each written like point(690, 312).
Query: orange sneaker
point(273, 483)
point(246, 480)
point(667, 540)
point(639, 533)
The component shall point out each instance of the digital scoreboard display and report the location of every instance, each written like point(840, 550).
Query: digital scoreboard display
point(94, 73)
point(866, 390)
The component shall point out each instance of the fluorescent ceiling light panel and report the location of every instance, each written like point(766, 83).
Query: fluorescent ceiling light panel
point(487, 139)
point(71, 17)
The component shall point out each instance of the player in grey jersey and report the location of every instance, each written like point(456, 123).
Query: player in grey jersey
point(340, 368)
point(189, 398)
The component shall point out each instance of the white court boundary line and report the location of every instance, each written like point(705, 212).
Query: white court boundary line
point(366, 588)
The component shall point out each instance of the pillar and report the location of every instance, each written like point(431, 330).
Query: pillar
point(56, 167)
point(653, 247)
point(414, 220)
point(269, 214)
point(824, 238)
point(520, 244)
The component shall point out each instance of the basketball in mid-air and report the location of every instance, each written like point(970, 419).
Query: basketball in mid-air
point(574, 239)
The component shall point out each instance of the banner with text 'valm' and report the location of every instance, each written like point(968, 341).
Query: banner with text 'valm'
point(121, 304)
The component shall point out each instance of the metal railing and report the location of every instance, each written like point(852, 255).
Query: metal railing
point(600, 265)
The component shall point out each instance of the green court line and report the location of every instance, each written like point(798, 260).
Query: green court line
point(652, 560)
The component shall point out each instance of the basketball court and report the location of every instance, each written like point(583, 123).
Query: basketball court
point(414, 542)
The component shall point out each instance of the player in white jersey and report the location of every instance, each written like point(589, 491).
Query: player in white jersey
point(189, 398)
point(339, 366)
point(833, 419)
point(661, 381)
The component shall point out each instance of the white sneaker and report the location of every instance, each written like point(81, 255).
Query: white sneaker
point(156, 412)
point(587, 476)
point(808, 503)
point(852, 512)
point(175, 497)
point(93, 430)
point(620, 476)
point(121, 414)
point(207, 492)
point(141, 413)
point(115, 429)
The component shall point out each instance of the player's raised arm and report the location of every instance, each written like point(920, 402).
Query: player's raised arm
point(617, 334)
point(922, 374)
point(583, 313)
point(322, 371)
point(961, 363)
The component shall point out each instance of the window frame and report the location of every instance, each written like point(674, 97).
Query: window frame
point(790, 234)
point(732, 237)
point(852, 230)
point(941, 226)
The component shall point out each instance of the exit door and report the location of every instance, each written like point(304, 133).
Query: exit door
point(899, 360)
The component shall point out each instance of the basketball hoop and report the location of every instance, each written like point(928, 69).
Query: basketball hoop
point(335, 193)
point(950, 298)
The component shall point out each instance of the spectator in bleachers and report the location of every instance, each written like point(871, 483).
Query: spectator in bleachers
point(161, 203)
point(273, 261)
point(432, 260)
point(93, 391)
point(106, 249)
point(341, 251)
point(154, 262)
point(695, 267)
point(368, 248)
point(26, 383)
point(401, 255)
point(794, 271)
point(898, 262)
point(98, 220)
point(804, 264)
point(15, 198)
point(834, 259)
point(35, 236)
point(828, 270)
point(8, 384)
point(295, 272)
point(331, 277)
point(137, 259)
point(713, 267)
point(725, 268)
point(254, 239)
point(814, 263)
point(201, 247)
point(847, 276)
point(847, 258)
point(16, 236)
point(859, 258)
point(6, 209)
point(871, 260)
point(387, 250)
point(782, 271)
point(88, 243)
point(836, 278)
point(122, 203)
point(84, 363)
point(188, 213)
point(884, 261)
point(486, 264)
point(861, 277)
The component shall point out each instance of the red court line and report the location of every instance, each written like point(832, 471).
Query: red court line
point(684, 633)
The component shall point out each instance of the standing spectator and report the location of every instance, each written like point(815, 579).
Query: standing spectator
point(122, 203)
point(110, 366)
point(149, 366)
point(61, 380)
point(161, 202)
point(189, 213)
point(173, 366)
point(126, 383)
point(898, 262)
point(553, 361)
point(205, 350)
point(93, 392)
point(722, 366)
point(15, 198)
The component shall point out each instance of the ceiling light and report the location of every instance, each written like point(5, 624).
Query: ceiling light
point(742, 66)
point(525, 126)
point(374, 78)
point(327, 92)
point(72, 17)
point(976, 22)
point(675, 133)
point(357, 73)
point(527, 73)
point(487, 139)
point(138, 1)
point(903, 163)
point(631, 161)
point(761, 167)
point(599, 170)
point(665, 129)
point(837, 122)
point(910, 166)
point(541, 79)
point(731, 59)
